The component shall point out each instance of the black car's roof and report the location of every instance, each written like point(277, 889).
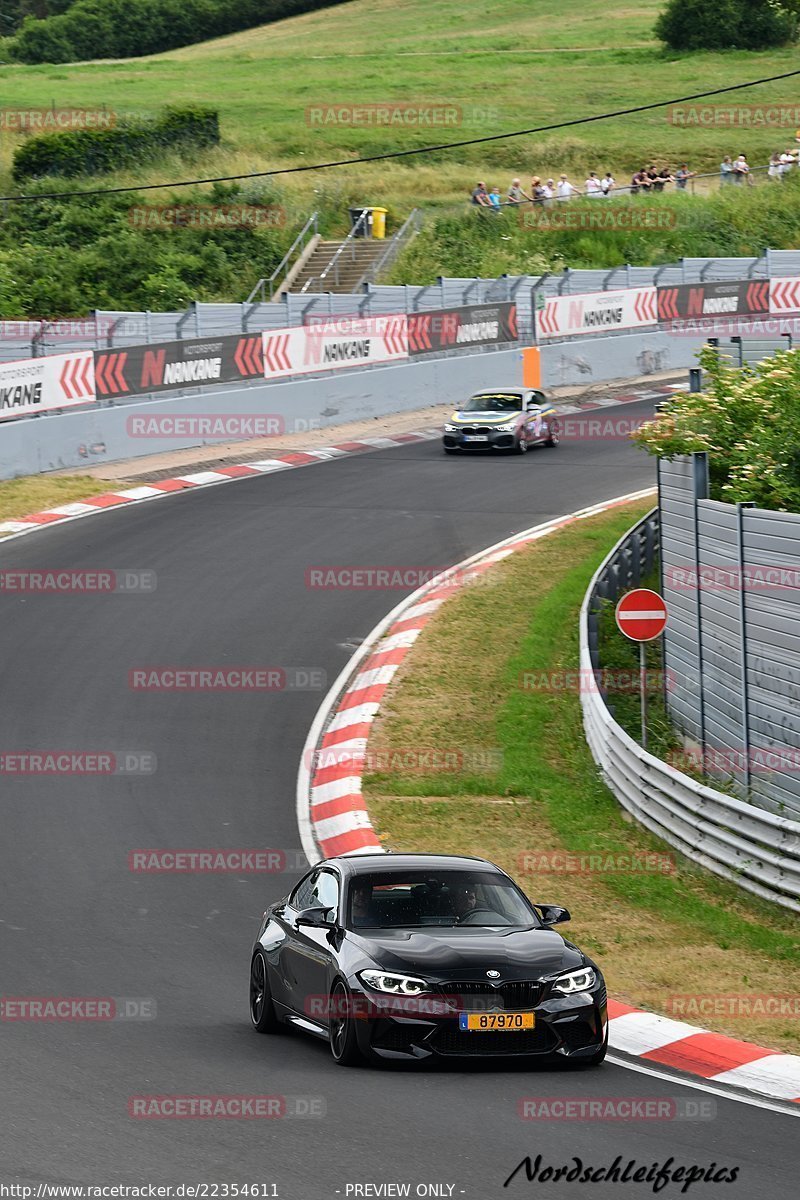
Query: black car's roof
point(361, 864)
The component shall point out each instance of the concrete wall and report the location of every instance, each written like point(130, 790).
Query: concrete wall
point(94, 435)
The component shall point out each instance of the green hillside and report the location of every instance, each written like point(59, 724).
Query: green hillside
point(505, 65)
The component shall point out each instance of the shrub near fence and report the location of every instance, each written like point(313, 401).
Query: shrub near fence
point(95, 151)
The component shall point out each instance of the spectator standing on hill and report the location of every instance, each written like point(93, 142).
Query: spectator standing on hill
point(740, 169)
point(775, 168)
point(663, 176)
point(640, 182)
point(787, 162)
point(537, 191)
point(480, 196)
point(593, 187)
point(516, 194)
point(726, 170)
point(565, 190)
point(607, 183)
point(682, 176)
point(494, 199)
point(548, 193)
point(652, 175)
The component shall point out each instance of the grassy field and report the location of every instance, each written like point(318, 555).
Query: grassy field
point(34, 493)
point(504, 65)
point(542, 794)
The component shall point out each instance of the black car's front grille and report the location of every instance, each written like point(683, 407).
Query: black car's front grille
point(482, 997)
point(448, 1039)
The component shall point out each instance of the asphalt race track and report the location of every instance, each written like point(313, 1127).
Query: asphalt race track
point(75, 921)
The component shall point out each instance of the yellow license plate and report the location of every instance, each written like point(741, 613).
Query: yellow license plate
point(501, 1022)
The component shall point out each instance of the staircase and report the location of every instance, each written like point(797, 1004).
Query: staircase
point(321, 274)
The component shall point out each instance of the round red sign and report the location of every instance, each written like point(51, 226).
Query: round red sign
point(641, 615)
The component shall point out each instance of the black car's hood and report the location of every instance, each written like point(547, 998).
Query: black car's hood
point(469, 952)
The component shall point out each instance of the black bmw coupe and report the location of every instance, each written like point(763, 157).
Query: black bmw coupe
point(409, 956)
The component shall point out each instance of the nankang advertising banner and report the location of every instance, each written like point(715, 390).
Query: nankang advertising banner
point(737, 298)
point(164, 366)
point(333, 343)
point(597, 312)
point(38, 385)
point(453, 328)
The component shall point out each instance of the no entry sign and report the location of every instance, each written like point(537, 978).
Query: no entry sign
point(641, 615)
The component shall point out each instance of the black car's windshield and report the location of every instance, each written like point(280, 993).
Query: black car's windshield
point(497, 402)
point(405, 899)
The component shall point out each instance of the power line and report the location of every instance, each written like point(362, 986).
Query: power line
point(352, 162)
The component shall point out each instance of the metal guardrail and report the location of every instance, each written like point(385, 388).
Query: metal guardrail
point(756, 849)
point(287, 262)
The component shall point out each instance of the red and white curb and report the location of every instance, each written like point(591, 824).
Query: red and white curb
point(21, 526)
point(200, 479)
point(333, 819)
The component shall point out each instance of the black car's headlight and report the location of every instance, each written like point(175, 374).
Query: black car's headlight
point(451, 428)
point(575, 981)
point(393, 984)
point(506, 427)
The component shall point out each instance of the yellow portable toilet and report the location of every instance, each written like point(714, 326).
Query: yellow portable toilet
point(379, 222)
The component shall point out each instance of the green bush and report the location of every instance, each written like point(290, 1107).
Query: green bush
point(747, 421)
point(727, 24)
point(125, 28)
point(96, 151)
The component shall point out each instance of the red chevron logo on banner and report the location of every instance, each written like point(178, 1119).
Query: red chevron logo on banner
point(548, 318)
point(393, 335)
point(109, 372)
point(75, 378)
point(785, 296)
point(276, 352)
point(249, 355)
point(757, 297)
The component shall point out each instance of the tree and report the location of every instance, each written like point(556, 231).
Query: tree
point(727, 24)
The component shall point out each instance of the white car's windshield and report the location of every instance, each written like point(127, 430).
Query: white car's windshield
point(497, 402)
point(384, 900)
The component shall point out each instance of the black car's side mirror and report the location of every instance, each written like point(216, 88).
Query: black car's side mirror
point(317, 918)
point(553, 914)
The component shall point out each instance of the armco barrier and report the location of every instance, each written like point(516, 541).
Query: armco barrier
point(738, 841)
point(90, 436)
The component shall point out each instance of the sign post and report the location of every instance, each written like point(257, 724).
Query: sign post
point(641, 616)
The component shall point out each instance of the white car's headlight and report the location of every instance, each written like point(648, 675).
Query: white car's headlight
point(395, 985)
point(575, 981)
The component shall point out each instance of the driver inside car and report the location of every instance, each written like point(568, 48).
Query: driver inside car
point(464, 901)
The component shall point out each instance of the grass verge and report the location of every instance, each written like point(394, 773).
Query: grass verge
point(33, 493)
point(661, 937)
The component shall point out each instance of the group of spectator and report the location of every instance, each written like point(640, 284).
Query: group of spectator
point(648, 179)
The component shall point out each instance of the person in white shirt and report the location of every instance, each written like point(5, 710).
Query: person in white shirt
point(565, 190)
point(787, 161)
point(740, 169)
point(607, 183)
point(547, 193)
point(593, 187)
point(775, 168)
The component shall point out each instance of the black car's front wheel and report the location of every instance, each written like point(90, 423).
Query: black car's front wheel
point(344, 1043)
point(262, 1010)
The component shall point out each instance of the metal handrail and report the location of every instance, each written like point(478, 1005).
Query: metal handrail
point(346, 244)
point(410, 228)
point(283, 265)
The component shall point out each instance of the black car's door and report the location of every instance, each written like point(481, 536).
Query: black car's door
point(308, 955)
